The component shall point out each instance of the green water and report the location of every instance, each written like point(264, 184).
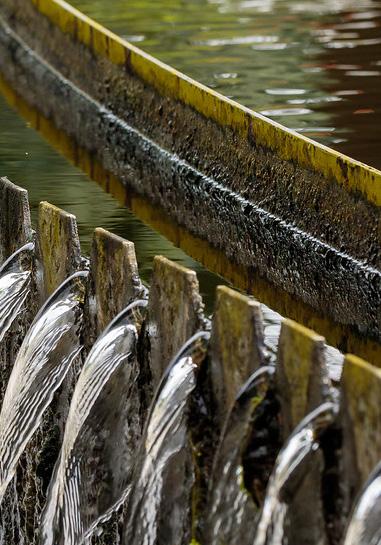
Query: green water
point(314, 66)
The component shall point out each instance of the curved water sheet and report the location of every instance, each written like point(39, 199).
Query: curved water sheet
point(15, 279)
point(291, 467)
point(364, 527)
point(49, 348)
point(93, 472)
point(231, 509)
point(159, 506)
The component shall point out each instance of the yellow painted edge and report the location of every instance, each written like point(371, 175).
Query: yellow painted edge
point(289, 145)
point(359, 366)
point(303, 332)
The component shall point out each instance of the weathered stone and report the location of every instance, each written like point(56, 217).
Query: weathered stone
point(115, 276)
point(15, 223)
point(361, 423)
point(175, 312)
point(236, 345)
point(302, 378)
point(59, 245)
point(303, 384)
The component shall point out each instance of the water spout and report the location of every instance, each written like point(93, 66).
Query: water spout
point(160, 462)
point(291, 467)
point(93, 472)
point(364, 527)
point(15, 278)
point(49, 348)
point(230, 506)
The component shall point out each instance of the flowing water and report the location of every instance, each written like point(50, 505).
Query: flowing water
point(45, 356)
point(291, 466)
point(160, 479)
point(93, 472)
point(230, 507)
point(15, 279)
point(364, 526)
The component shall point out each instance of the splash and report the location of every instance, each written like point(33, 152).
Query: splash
point(157, 493)
point(291, 467)
point(364, 526)
point(231, 506)
point(93, 471)
point(49, 348)
point(15, 279)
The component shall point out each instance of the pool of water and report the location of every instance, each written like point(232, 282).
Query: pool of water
point(313, 65)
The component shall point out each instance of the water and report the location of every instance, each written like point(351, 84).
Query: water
point(230, 507)
point(158, 508)
point(45, 356)
point(290, 468)
point(314, 66)
point(15, 279)
point(93, 471)
point(364, 525)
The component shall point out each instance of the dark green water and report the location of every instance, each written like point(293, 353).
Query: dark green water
point(314, 66)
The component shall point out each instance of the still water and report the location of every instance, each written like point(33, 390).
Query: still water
point(313, 66)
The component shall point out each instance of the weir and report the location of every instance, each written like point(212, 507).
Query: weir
point(136, 418)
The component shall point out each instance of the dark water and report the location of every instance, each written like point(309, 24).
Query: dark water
point(314, 66)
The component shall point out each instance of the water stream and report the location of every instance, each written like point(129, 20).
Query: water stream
point(161, 487)
point(290, 468)
point(49, 348)
point(364, 527)
point(15, 278)
point(93, 473)
point(231, 509)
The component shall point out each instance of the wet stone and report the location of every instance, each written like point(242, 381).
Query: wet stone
point(303, 384)
point(237, 345)
point(175, 313)
point(15, 223)
point(59, 245)
point(361, 423)
point(115, 277)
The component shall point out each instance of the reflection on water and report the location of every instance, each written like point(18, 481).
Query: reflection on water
point(314, 66)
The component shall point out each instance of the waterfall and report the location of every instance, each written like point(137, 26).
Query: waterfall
point(49, 348)
point(364, 527)
point(290, 468)
point(93, 472)
point(164, 438)
point(15, 278)
point(230, 506)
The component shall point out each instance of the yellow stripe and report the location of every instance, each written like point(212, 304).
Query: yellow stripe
point(289, 145)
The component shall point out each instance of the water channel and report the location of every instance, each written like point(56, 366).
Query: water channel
point(313, 66)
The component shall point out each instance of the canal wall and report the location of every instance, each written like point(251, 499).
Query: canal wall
point(350, 447)
point(221, 171)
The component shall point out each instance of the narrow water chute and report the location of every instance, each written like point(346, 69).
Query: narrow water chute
point(93, 471)
point(46, 354)
point(290, 468)
point(15, 280)
point(164, 442)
